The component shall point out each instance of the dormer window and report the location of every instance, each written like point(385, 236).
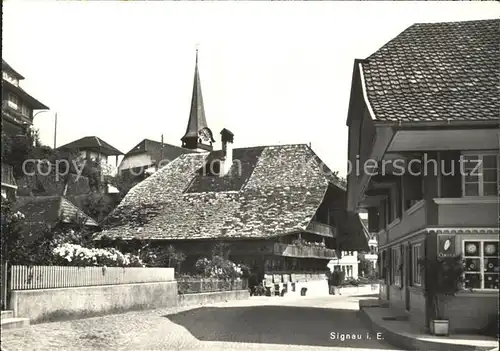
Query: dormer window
point(10, 78)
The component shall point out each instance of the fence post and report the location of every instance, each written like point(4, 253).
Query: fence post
point(4, 284)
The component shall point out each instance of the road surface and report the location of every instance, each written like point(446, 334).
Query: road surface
point(260, 323)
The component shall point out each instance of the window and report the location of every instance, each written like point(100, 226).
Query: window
point(413, 186)
point(395, 266)
point(13, 101)
point(481, 264)
point(10, 78)
point(25, 110)
point(349, 271)
point(416, 269)
point(480, 175)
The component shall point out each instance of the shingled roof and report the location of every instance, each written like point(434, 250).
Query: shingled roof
point(270, 191)
point(8, 68)
point(49, 183)
point(157, 151)
point(44, 212)
point(91, 143)
point(436, 72)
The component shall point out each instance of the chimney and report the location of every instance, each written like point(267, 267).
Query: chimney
point(227, 139)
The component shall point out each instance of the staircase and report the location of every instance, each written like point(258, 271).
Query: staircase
point(9, 322)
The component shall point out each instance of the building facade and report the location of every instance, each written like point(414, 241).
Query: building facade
point(95, 149)
point(9, 184)
point(424, 126)
point(17, 104)
point(148, 156)
point(347, 262)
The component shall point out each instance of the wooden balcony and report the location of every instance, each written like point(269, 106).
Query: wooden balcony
point(289, 250)
point(468, 212)
point(321, 229)
point(14, 115)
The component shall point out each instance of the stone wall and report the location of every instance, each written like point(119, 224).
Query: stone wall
point(43, 305)
point(212, 297)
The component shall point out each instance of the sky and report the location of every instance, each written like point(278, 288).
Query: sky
point(271, 72)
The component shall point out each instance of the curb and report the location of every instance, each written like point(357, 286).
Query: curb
point(409, 343)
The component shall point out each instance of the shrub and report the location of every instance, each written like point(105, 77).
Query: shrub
point(221, 268)
point(162, 257)
point(444, 277)
point(76, 255)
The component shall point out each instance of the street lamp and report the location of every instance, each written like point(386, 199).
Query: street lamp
point(42, 111)
point(55, 123)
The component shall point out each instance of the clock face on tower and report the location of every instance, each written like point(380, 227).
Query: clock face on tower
point(205, 135)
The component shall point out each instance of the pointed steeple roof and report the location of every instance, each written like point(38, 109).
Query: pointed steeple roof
point(197, 120)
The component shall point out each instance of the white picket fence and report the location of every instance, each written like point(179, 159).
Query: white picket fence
point(50, 277)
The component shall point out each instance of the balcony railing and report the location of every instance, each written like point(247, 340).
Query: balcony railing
point(8, 176)
point(321, 229)
point(289, 250)
point(14, 114)
point(468, 212)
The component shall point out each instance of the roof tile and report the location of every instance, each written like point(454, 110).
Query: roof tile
point(437, 71)
point(279, 191)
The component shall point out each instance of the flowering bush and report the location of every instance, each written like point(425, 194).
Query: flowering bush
point(18, 216)
point(302, 242)
point(220, 268)
point(76, 255)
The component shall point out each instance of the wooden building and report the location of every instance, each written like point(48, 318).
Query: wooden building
point(421, 106)
point(93, 148)
point(17, 104)
point(277, 208)
point(148, 156)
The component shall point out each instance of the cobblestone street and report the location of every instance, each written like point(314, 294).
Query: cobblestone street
point(259, 323)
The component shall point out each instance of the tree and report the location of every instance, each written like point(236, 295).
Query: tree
point(123, 181)
point(365, 268)
point(19, 248)
point(98, 206)
point(16, 247)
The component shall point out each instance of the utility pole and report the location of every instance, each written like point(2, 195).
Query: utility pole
point(161, 154)
point(55, 131)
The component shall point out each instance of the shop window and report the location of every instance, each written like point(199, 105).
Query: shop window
point(481, 264)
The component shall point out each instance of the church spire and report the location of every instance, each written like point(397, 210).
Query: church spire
point(198, 135)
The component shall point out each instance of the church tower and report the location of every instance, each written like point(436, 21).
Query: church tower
point(198, 136)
